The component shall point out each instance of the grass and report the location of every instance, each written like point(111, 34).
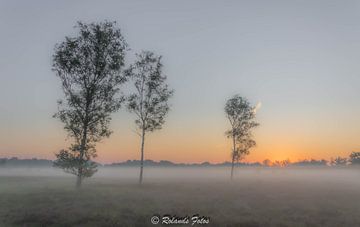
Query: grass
point(266, 198)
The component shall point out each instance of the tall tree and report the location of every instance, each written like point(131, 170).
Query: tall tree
point(89, 67)
point(241, 116)
point(149, 101)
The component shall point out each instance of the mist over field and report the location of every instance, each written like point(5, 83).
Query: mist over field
point(314, 196)
point(335, 174)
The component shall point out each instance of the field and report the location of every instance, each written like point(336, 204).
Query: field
point(256, 197)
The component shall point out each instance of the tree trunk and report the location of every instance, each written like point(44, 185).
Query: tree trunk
point(232, 169)
point(233, 159)
point(82, 152)
point(78, 182)
point(142, 157)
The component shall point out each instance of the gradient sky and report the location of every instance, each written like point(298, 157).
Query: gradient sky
point(300, 59)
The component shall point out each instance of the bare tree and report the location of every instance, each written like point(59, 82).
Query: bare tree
point(89, 67)
point(241, 116)
point(149, 102)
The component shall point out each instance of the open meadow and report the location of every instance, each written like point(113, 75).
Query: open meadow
point(256, 197)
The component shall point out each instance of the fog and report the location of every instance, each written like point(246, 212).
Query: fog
point(317, 196)
point(308, 174)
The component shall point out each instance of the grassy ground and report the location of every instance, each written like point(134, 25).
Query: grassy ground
point(254, 198)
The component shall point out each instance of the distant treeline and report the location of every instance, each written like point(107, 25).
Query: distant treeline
point(34, 162)
point(353, 159)
point(172, 164)
point(14, 162)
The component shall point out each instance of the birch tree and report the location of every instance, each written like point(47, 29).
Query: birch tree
point(89, 67)
point(241, 116)
point(149, 101)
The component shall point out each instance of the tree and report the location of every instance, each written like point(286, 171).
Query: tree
point(241, 116)
point(282, 163)
point(89, 67)
point(285, 163)
point(338, 161)
point(267, 163)
point(355, 158)
point(149, 101)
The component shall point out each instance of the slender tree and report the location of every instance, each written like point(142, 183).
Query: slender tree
point(89, 67)
point(149, 102)
point(241, 116)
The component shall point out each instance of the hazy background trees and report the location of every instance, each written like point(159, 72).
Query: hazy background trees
point(241, 115)
point(354, 158)
point(267, 163)
point(281, 163)
point(338, 161)
point(149, 101)
point(89, 67)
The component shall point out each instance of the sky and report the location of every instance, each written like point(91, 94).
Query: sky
point(299, 59)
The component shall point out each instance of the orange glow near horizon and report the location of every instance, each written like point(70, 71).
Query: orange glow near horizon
point(191, 141)
point(177, 146)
